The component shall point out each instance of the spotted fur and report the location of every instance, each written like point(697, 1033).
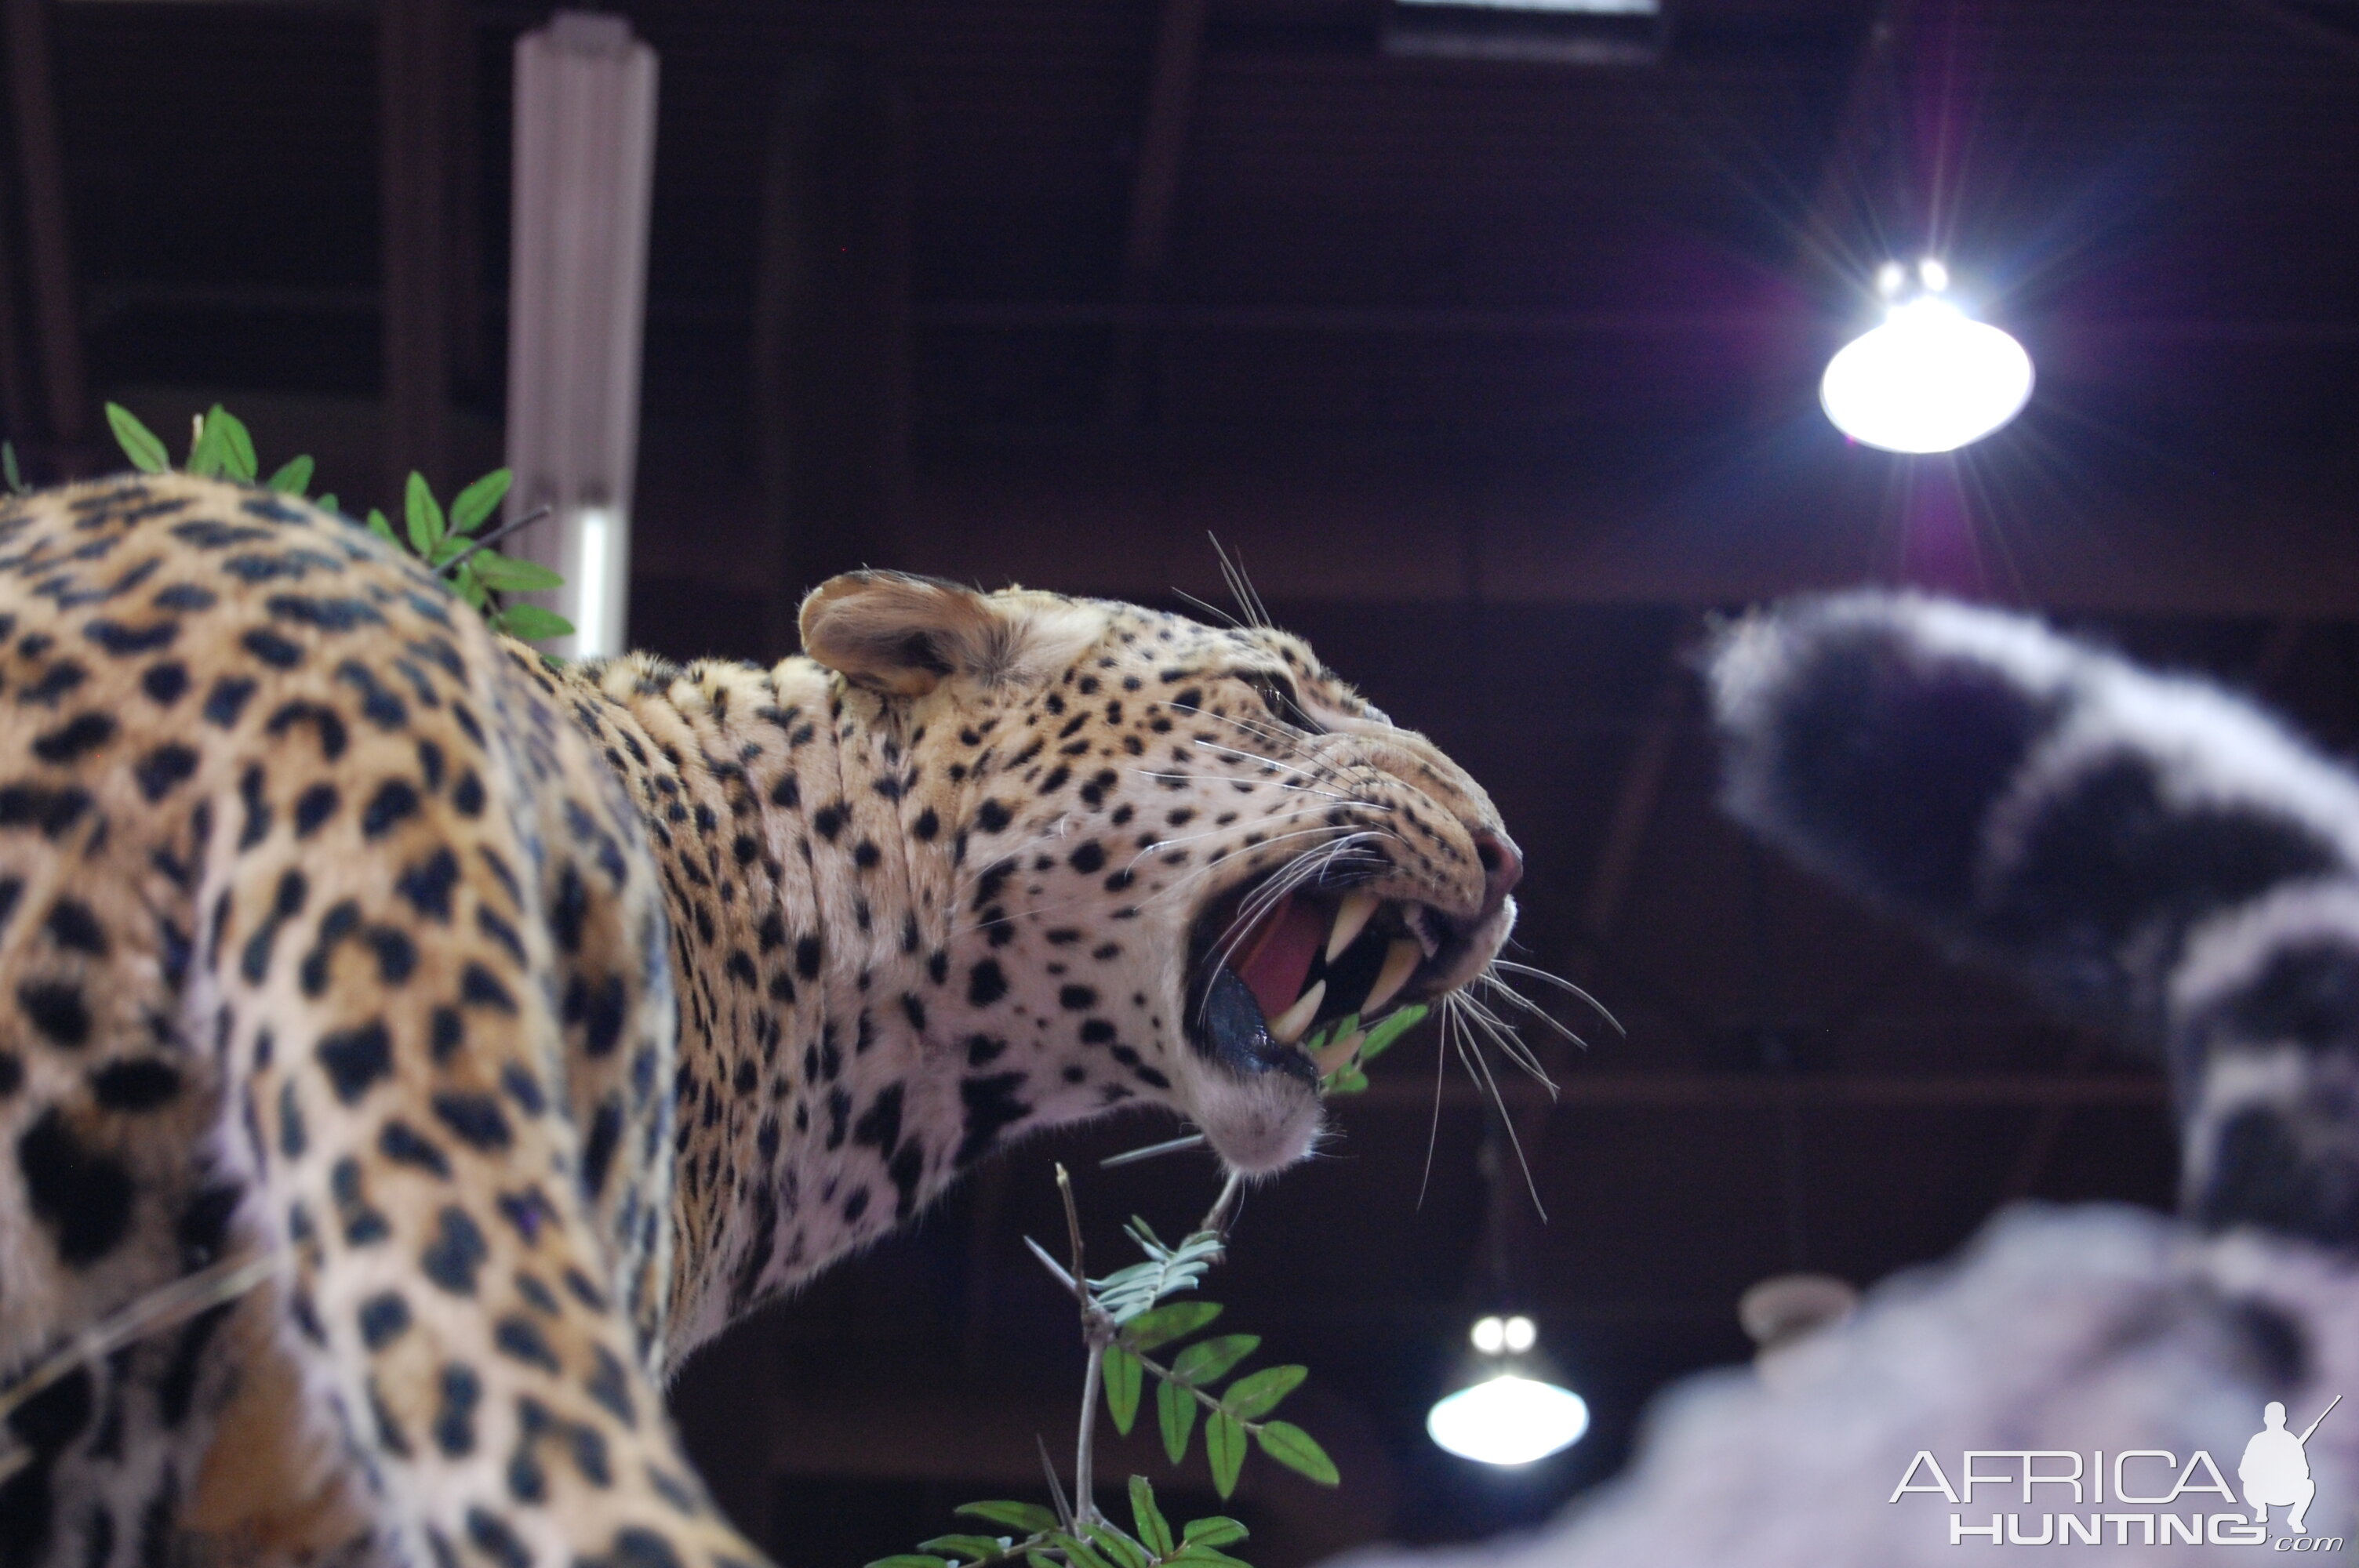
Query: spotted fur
point(540, 1022)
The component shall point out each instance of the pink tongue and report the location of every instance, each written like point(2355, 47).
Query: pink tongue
point(1274, 960)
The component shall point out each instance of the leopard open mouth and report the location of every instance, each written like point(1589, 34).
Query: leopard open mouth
point(1266, 972)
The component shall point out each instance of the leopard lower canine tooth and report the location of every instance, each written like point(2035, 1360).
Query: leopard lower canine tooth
point(1288, 1026)
point(1352, 917)
point(1339, 1053)
point(1400, 962)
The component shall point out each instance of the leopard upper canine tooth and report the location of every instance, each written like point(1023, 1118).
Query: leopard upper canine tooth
point(1400, 962)
point(1352, 917)
point(1288, 1026)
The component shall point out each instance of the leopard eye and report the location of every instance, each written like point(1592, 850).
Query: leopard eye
point(1278, 694)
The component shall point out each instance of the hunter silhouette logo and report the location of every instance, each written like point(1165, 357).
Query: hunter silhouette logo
point(2141, 1496)
point(2276, 1467)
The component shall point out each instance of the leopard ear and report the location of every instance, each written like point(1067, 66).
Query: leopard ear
point(903, 635)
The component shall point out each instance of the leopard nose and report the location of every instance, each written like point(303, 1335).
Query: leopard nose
point(1503, 867)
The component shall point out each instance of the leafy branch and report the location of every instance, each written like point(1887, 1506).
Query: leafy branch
point(1343, 1049)
point(449, 542)
point(1124, 1318)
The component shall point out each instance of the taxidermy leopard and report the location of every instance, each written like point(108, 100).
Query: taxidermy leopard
point(538, 1022)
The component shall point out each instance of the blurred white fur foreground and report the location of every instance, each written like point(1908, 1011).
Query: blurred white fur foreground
point(2066, 1329)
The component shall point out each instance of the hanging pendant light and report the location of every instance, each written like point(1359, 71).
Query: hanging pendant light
point(1507, 1417)
point(1931, 379)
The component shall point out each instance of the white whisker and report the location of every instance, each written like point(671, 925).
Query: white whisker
point(1476, 1065)
point(1433, 1132)
point(1503, 1036)
point(1527, 1004)
point(1564, 985)
point(1207, 607)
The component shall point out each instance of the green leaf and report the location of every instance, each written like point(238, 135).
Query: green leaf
point(1128, 1292)
point(1208, 1557)
point(1123, 1374)
point(1327, 1034)
point(1216, 1529)
point(1029, 1518)
point(505, 574)
point(381, 528)
point(14, 479)
point(294, 478)
point(1295, 1448)
point(1390, 1028)
point(908, 1560)
point(1167, 1324)
point(531, 623)
point(1251, 1397)
point(1224, 1445)
point(328, 502)
point(1203, 1363)
point(1345, 1081)
point(1079, 1553)
point(206, 456)
point(236, 446)
point(138, 442)
point(1153, 1528)
point(479, 501)
point(444, 548)
point(969, 1548)
point(1042, 1560)
point(1126, 1551)
point(467, 586)
point(1175, 1413)
point(422, 514)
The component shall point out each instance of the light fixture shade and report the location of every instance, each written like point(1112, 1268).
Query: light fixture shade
point(1508, 1419)
point(1927, 380)
point(585, 130)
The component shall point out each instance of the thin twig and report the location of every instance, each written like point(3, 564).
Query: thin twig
point(1217, 1217)
point(1073, 1234)
point(183, 1298)
point(493, 538)
point(1084, 1445)
point(1153, 1151)
point(1097, 1329)
point(1049, 1263)
point(1055, 1487)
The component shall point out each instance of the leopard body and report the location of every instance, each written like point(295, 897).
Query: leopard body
point(538, 1022)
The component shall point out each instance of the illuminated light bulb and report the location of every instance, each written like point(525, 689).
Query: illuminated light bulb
point(1508, 1419)
point(1890, 279)
point(1519, 1334)
point(1489, 1335)
point(1929, 380)
point(1932, 274)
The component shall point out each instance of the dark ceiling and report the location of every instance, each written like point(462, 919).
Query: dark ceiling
point(1501, 377)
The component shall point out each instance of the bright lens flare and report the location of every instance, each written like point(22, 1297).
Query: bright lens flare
point(1509, 1421)
point(1929, 380)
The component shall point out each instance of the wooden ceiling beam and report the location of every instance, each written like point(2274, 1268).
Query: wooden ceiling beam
point(1762, 1094)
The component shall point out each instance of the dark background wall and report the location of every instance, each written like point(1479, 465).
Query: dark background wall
point(1500, 376)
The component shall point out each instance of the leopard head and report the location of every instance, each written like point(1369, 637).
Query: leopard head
point(1159, 854)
